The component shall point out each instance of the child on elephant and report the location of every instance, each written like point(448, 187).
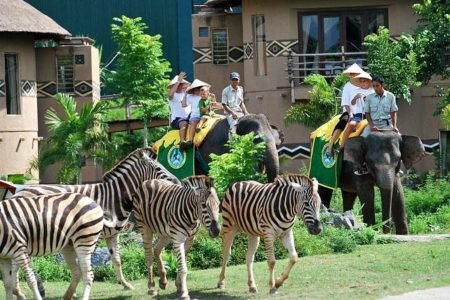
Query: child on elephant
point(207, 102)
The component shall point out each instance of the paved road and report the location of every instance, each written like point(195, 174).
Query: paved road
point(430, 294)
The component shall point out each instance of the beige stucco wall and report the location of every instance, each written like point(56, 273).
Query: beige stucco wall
point(18, 133)
point(271, 94)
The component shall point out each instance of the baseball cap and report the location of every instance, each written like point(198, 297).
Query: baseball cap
point(235, 75)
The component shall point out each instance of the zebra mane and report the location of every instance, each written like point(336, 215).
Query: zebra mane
point(138, 152)
point(193, 181)
point(288, 178)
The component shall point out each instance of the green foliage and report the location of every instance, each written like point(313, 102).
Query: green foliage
point(432, 35)
point(49, 269)
point(141, 71)
point(239, 164)
point(73, 137)
point(323, 102)
point(438, 222)
point(394, 61)
point(434, 193)
point(445, 117)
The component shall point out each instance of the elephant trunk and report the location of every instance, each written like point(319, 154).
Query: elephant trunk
point(385, 180)
point(271, 162)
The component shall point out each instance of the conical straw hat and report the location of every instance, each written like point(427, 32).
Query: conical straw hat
point(175, 80)
point(364, 75)
point(197, 83)
point(355, 69)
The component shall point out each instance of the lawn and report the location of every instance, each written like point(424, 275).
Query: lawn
point(370, 272)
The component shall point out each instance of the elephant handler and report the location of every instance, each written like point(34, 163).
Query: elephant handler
point(233, 101)
point(381, 113)
point(381, 108)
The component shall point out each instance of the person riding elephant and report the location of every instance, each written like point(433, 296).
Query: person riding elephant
point(381, 152)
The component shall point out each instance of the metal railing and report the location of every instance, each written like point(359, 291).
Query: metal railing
point(299, 66)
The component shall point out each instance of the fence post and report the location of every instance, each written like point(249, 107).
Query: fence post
point(290, 64)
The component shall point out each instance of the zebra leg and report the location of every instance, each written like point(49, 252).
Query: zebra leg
point(71, 260)
point(84, 260)
point(268, 242)
point(253, 243)
point(147, 237)
point(15, 278)
point(8, 280)
point(113, 245)
point(228, 237)
point(181, 284)
point(288, 242)
point(160, 245)
point(24, 261)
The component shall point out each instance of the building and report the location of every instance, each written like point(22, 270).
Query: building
point(254, 38)
point(38, 59)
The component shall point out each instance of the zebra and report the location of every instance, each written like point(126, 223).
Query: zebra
point(268, 211)
point(114, 195)
point(41, 225)
point(174, 213)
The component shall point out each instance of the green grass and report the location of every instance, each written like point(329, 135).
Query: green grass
point(370, 272)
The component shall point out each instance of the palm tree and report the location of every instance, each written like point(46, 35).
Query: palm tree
point(74, 137)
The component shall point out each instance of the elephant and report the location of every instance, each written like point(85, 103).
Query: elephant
point(216, 139)
point(382, 153)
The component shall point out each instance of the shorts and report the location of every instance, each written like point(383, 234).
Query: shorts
point(193, 119)
point(343, 119)
point(357, 117)
point(176, 122)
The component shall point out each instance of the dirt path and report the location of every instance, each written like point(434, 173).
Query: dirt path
point(416, 238)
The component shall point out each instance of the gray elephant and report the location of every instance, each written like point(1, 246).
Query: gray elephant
point(382, 153)
point(216, 139)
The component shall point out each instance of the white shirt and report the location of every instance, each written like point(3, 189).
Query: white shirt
point(358, 108)
point(233, 98)
point(193, 101)
point(176, 110)
point(348, 92)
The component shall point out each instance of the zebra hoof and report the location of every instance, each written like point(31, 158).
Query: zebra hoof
point(273, 291)
point(127, 286)
point(253, 290)
point(221, 286)
point(162, 285)
point(152, 292)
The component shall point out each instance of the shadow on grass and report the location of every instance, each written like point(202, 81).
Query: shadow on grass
point(212, 293)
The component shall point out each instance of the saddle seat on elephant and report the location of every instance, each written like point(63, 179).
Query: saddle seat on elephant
point(327, 169)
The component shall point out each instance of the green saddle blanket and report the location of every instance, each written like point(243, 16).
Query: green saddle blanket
point(178, 162)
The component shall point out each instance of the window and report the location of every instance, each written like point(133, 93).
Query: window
point(219, 46)
point(328, 33)
point(203, 32)
point(259, 42)
point(12, 84)
point(64, 66)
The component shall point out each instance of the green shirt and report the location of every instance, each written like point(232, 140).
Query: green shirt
point(204, 103)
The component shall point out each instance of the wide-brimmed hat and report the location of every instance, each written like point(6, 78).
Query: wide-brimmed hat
point(197, 83)
point(353, 69)
point(175, 80)
point(364, 75)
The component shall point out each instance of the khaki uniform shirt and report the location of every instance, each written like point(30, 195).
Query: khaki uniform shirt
point(380, 108)
point(233, 98)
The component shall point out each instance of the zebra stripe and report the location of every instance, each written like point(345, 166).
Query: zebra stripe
point(114, 195)
point(269, 211)
point(37, 226)
point(174, 213)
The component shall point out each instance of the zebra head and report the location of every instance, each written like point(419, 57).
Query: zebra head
point(208, 202)
point(308, 205)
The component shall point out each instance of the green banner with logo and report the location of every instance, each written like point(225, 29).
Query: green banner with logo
point(178, 162)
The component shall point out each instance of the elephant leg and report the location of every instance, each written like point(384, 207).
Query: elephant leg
point(325, 196)
point(366, 195)
point(348, 199)
point(398, 208)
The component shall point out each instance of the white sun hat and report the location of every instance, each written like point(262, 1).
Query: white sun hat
point(197, 83)
point(364, 75)
point(175, 80)
point(353, 69)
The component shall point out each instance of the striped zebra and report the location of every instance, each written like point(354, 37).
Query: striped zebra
point(268, 211)
point(173, 213)
point(114, 195)
point(41, 225)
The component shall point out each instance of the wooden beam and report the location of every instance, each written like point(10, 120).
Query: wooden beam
point(126, 125)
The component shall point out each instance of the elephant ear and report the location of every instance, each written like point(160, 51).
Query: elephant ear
point(412, 150)
point(355, 150)
point(278, 135)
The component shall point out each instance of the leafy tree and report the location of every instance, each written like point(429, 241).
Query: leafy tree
point(140, 76)
point(74, 137)
point(241, 163)
point(323, 102)
point(394, 61)
point(432, 35)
